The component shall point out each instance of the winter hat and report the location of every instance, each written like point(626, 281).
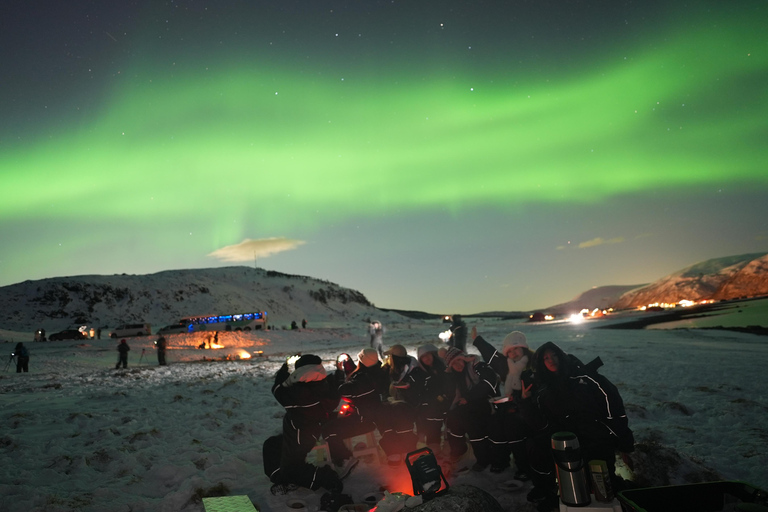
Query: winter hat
point(368, 357)
point(307, 359)
point(513, 340)
point(397, 350)
point(426, 348)
point(452, 354)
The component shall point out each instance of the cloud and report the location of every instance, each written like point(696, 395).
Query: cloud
point(249, 249)
point(600, 241)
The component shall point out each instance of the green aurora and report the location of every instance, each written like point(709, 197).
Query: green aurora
point(264, 147)
point(664, 119)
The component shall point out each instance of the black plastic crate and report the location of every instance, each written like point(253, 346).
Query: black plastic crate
point(704, 497)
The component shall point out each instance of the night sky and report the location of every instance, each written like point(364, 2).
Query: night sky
point(442, 156)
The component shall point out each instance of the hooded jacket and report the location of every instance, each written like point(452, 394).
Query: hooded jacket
point(433, 386)
point(580, 400)
point(307, 394)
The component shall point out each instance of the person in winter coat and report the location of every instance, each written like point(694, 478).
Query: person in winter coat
point(470, 412)
point(363, 391)
point(571, 396)
point(434, 393)
point(309, 398)
point(376, 332)
point(22, 358)
point(122, 350)
point(344, 367)
point(399, 410)
point(458, 337)
point(508, 429)
point(161, 345)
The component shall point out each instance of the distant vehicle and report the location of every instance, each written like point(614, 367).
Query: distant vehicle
point(131, 330)
point(172, 329)
point(234, 322)
point(68, 334)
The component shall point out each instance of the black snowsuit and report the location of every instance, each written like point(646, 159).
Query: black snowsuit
point(308, 404)
point(575, 399)
point(476, 384)
point(363, 389)
point(508, 429)
point(399, 410)
point(433, 391)
point(304, 474)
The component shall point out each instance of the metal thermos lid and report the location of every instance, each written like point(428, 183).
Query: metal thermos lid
point(564, 441)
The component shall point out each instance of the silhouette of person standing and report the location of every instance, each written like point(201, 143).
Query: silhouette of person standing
point(123, 349)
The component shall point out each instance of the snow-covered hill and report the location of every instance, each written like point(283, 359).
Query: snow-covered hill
point(165, 297)
point(726, 278)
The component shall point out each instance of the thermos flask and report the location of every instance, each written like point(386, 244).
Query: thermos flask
point(571, 473)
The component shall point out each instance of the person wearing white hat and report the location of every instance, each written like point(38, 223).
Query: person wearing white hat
point(508, 431)
point(363, 390)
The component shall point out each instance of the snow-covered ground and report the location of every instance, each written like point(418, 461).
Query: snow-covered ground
point(80, 435)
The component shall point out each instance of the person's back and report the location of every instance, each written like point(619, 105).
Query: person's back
point(309, 399)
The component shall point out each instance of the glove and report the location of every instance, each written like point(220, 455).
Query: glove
point(292, 360)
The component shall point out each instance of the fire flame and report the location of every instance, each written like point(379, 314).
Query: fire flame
point(244, 354)
point(216, 345)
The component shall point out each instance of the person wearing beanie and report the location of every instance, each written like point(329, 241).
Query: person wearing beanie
point(398, 436)
point(451, 355)
point(398, 366)
point(508, 430)
point(435, 392)
point(363, 389)
point(309, 397)
point(470, 414)
point(344, 366)
point(368, 357)
point(511, 362)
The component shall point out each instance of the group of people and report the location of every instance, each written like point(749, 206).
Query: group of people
point(505, 403)
point(123, 348)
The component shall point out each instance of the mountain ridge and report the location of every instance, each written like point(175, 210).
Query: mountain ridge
point(166, 297)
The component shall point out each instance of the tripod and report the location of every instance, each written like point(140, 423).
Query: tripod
point(12, 358)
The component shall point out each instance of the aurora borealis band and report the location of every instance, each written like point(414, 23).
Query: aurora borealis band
point(447, 158)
